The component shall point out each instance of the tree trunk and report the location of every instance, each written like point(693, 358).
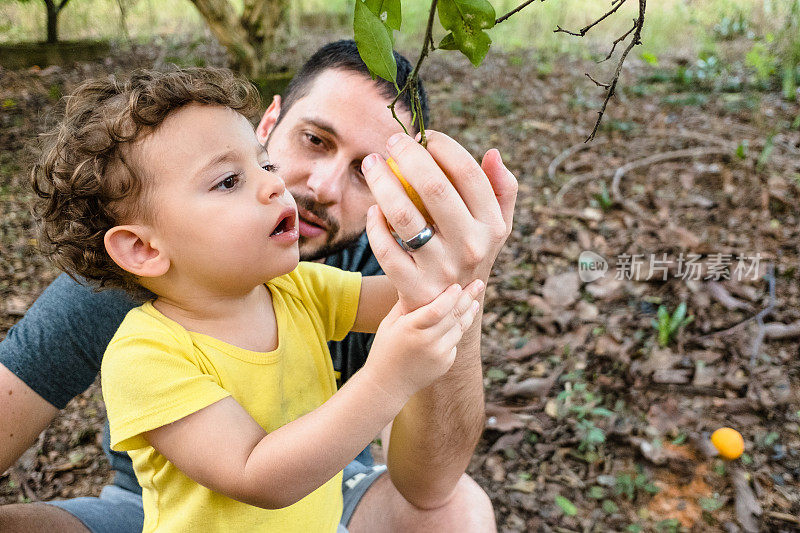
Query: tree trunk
point(52, 21)
point(250, 37)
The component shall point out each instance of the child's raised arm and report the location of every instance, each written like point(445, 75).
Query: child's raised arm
point(377, 298)
point(224, 449)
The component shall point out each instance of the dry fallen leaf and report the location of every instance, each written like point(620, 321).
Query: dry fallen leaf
point(562, 290)
point(532, 387)
point(747, 506)
point(501, 418)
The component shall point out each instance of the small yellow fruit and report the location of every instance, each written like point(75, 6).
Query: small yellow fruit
point(728, 442)
point(409, 191)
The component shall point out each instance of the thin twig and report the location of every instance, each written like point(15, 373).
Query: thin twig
point(412, 78)
point(656, 158)
point(599, 84)
point(637, 39)
point(761, 315)
point(585, 29)
point(560, 158)
point(515, 10)
point(619, 40)
point(758, 317)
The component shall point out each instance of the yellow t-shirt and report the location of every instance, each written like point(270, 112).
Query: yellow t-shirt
point(155, 372)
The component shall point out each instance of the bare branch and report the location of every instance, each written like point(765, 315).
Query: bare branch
point(603, 85)
point(515, 10)
point(637, 39)
point(622, 38)
point(585, 29)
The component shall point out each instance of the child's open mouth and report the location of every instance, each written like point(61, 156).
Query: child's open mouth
point(287, 227)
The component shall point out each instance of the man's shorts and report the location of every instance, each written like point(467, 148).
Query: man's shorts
point(117, 510)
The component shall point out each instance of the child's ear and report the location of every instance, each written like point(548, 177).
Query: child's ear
point(269, 119)
point(132, 248)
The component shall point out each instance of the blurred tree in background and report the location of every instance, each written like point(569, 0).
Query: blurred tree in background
point(53, 8)
point(248, 35)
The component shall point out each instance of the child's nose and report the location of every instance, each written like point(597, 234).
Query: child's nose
point(271, 187)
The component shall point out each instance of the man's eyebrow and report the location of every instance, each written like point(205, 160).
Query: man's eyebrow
point(321, 124)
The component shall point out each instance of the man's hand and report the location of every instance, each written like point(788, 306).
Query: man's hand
point(473, 212)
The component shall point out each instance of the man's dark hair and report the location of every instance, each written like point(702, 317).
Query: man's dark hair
point(343, 55)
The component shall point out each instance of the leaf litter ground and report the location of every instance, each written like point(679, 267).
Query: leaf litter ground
point(590, 425)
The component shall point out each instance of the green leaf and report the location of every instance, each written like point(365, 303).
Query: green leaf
point(710, 504)
point(374, 43)
point(601, 411)
point(650, 59)
point(597, 492)
point(741, 150)
point(610, 507)
point(448, 42)
point(567, 506)
point(677, 317)
point(388, 11)
point(467, 20)
point(495, 374)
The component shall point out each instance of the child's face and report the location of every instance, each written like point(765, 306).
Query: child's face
point(216, 201)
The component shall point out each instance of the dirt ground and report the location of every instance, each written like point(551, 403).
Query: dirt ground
point(591, 424)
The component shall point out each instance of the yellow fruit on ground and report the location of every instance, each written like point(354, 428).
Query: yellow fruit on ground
point(728, 442)
point(410, 191)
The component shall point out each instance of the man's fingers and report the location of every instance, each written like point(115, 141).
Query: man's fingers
point(465, 174)
point(440, 197)
point(503, 183)
point(399, 210)
point(394, 261)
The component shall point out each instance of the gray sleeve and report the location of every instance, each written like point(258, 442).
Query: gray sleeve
point(56, 348)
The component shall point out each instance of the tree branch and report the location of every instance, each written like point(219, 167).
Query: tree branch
point(517, 9)
point(585, 29)
point(412, 78)
point(619, 40)
point(637, 39)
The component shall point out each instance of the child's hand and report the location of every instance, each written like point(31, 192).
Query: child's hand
point(412, 350)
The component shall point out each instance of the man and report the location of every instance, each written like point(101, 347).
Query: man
point(333, 117)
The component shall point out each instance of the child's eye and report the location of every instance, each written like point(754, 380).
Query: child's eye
point(228, 183)
point(269, 167)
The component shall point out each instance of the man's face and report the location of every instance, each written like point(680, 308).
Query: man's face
point(318, 147)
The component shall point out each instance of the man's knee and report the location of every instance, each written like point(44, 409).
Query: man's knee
point(468, 509)
point(38, 517)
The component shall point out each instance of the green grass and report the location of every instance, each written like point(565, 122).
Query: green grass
point(672, 26)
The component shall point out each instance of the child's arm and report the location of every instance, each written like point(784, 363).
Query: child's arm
point(377, 297)
point(224, 449)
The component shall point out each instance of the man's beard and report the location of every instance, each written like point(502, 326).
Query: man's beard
point(332, 245)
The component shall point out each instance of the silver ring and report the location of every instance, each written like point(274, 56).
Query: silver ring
point(418, 240)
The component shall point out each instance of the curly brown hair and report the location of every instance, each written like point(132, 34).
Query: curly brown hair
point(88, 180)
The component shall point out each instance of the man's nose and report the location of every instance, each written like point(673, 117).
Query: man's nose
point(271, 187)
point(326, 182)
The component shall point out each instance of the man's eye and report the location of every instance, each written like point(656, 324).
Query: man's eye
point(313, 139)
point(228, 183)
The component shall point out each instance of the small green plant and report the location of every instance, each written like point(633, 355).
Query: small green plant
point(630, 485)
point(732, 26)
point(585, 406)
point(603, 198)
point(763, 61)
point(668, 325)
point(567, 506)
